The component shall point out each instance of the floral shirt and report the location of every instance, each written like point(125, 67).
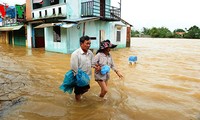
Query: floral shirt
point(102, 59)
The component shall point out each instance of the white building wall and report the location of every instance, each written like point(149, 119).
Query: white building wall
point(29, 35)
point(73, 9)
point(122, 43)
point(49, 10)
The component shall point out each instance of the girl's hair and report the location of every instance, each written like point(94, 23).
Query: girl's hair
point(99, 51)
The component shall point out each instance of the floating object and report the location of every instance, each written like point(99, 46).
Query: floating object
point(105, 69)
point(132, 59)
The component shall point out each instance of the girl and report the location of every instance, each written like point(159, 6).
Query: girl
point(103, 58)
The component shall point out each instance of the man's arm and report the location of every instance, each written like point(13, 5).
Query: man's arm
point(74, 63)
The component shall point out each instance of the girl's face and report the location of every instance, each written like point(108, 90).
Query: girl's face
point(106, 51)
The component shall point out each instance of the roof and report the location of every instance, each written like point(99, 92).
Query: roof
point(122, 20)
point(80, 20)
point(11, 28)
point(67, 23)
point(64, 25)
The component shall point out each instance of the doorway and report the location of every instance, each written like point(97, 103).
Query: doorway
point(39, 38)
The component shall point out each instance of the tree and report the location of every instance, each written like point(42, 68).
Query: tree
point(179, 30)
point(179, 33)
point(164, 33)
point(154, 32)
point(193, 32)
point(135, 33)
point(146, 31)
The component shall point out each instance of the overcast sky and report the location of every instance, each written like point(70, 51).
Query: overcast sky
point(154, 13)
point(161, 13)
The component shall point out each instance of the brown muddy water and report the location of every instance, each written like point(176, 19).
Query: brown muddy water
point(163, 85)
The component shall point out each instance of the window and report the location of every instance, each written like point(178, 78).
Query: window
point(53, 2)
point(118, 35)
point(45, 12)
point(40, 13)
point(56, 34)
point(54, 12)
point(37, 5)
point(59, 10)
point(93, 38)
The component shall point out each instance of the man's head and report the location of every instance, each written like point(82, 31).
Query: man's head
point(85, 43)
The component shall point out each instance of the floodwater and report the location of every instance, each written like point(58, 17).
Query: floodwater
point(164, 84)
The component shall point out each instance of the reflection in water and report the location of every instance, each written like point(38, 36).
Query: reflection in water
point(163, 85)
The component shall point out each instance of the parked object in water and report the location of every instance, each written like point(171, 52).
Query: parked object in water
point(132, 59)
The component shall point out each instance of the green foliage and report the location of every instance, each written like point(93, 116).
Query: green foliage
point(178, 33)
point(164, 33)
point(179, 30)
point(193, 32)
point(146, 31)
point(154, 32)
point(135, 33)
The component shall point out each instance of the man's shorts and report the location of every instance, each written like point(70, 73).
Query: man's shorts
point(80, 90)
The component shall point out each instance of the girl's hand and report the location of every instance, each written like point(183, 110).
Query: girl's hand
point(97, 68)
point(119, 74)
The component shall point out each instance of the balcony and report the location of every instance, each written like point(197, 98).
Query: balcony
point(53, 11)
point(96, 9)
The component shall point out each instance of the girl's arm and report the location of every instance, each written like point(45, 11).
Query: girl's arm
point(119, 74)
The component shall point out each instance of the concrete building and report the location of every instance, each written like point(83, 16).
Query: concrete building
point(57, 25)
point(12, 29)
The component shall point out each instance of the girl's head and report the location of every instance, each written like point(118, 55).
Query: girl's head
point(105, 46)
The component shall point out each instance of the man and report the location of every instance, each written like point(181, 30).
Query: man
point(82, 58)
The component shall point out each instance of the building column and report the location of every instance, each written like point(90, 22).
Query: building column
point(29, 35)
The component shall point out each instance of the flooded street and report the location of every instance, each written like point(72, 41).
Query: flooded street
point(163, 85)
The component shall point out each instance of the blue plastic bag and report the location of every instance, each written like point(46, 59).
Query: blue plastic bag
point(105, 69)
point(132, 59)
point(68, 82)
point(82, 78)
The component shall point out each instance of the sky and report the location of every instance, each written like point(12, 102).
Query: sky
point(172, 14)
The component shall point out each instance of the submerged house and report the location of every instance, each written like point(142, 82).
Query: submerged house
point(12, 29)
point(57, 25)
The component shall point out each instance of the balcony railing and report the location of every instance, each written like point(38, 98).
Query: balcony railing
point(95, 9)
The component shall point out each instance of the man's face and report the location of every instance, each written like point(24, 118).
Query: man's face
point(86, 45)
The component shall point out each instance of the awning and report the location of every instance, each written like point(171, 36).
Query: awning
point(68, 25)
point(48, 25)
point(80, 20)
point(37, 1)
point(63, 25)
point(11, 28)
